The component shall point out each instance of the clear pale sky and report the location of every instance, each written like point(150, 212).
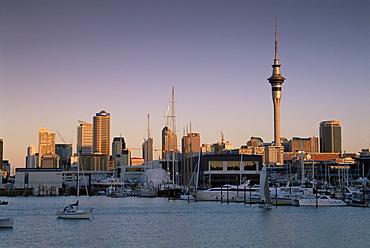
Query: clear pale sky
point(64, 61)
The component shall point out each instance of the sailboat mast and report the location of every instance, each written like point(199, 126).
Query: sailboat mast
point(173, 129)
point(313, 161)
point(78, 177)
point(302, 164)
point(241, 165)
point(196, 182)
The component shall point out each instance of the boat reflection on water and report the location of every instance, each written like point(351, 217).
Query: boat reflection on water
point(6, 222)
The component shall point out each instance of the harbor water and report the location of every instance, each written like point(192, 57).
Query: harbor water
point(159, 222)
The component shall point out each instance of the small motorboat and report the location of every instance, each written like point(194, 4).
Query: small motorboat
point(3, 202)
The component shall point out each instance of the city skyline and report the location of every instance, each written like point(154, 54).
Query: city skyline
point(65, 61)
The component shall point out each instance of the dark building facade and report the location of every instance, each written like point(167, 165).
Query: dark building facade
point(330, 137)
point(218, 170)
point(65, 153)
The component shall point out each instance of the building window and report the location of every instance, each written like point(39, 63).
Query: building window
point(233, 165)
point(250, 165)
point(216, 165)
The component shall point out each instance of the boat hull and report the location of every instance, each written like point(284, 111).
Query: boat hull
point(6, 222)
point(75, 215)
point(187, 197)
point(321, 202)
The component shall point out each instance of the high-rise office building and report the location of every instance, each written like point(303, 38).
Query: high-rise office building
point(31, 159)
point(191, 143)
point(85, 138)
point(46, 142)
point(50, 160)
point(147, 148)
point(101, 133)
point(190, 150)
point(330, 137)
point(119, 152)
point(169, 144)
point(65, 153)
point(101, 141)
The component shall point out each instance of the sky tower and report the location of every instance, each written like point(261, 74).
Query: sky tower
point(276, 81)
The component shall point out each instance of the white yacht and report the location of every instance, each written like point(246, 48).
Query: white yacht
point(323, 200)
point(284, 195)
point(303, 193)
point(225, 193)
point(72, 211)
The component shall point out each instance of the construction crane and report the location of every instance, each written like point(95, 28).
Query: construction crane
point(61, 138)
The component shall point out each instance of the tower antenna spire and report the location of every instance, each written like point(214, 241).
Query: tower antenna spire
point(276, 42)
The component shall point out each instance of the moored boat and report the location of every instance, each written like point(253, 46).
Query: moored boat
point(187, 197)
point(147, 192)
point(323, 200)
point(72, 211)
point(225, 193)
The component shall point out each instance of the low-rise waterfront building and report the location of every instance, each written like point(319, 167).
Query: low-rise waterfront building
point(44, 181)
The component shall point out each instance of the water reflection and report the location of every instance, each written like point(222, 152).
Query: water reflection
point(157, 222)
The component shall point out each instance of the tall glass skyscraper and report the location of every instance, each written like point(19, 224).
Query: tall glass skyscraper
point(330, 137)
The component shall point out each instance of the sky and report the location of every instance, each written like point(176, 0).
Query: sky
point(64, 61)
